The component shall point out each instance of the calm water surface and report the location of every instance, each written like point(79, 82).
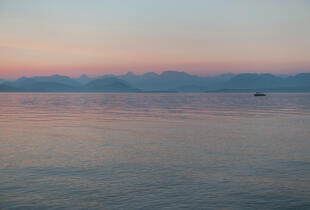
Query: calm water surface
point(154, 151)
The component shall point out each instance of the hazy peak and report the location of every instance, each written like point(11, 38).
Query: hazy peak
point(84, 76)
point(130, 74)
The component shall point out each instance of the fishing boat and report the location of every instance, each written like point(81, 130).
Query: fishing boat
point(259, 94)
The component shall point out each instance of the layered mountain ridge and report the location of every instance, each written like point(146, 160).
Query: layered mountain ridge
point(168, 81)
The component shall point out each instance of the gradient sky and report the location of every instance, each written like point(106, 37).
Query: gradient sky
point(206, 37)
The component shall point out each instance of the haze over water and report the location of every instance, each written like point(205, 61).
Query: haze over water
point(191, 151)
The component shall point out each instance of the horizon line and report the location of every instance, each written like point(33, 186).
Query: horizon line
point(157, 73)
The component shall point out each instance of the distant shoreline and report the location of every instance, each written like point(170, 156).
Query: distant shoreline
point(166, 82)
point(155, 92)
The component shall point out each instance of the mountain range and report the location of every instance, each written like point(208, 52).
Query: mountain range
point(167, 81)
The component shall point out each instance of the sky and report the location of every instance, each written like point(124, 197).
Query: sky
point(204, 37)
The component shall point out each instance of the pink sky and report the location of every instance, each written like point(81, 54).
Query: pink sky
point(206, 38)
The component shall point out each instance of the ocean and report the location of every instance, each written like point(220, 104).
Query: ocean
point(154, 151)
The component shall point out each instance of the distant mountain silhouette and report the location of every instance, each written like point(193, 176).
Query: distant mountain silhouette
point(299, 80)
point(109, 85)
point(254, 81)
point(168, 81)
point(268, 82)
point(2, 81)
point(84, 79)
point(47, 87)
point(59, 79)
point(7, 88)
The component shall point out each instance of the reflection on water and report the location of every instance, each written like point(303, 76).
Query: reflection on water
point(71, 150)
